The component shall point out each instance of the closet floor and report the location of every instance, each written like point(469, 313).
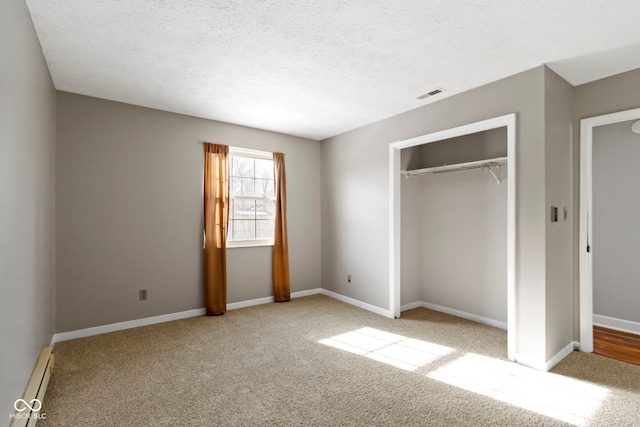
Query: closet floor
point(616, 345)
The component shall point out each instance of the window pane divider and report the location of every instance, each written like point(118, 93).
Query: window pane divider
point(252, 198)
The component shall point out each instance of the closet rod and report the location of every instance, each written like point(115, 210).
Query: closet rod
point(478, 164)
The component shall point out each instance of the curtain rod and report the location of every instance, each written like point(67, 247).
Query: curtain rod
point(246, 150)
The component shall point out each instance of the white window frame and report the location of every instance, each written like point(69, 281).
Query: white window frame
point(256, 154)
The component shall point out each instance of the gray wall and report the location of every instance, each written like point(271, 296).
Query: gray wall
point(464, 264)
point(355, 211)
point(27, 176)
point(610, 95)
point(355, 197)
point(616, 222)
point(411, 225)
point(558, 189)
point(467, 148)
point(129, 212)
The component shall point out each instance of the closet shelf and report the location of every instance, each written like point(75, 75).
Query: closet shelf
point(478, 164)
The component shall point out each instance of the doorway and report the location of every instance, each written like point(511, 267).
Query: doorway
point(586, 251)
point(508, 121)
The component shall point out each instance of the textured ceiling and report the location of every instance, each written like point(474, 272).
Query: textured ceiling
point(320, 68)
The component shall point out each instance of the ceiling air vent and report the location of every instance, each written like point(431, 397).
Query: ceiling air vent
point(432, 93)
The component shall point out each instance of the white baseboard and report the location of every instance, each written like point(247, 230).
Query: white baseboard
point(617, 324)
point(357, 303)
point(267, 300)
point(113, 327)
point(569, 348)
point(308, 293)
point(457, 313)
point(546, 366)
point(411, 306)
point(97, 330)
point(249, 303)
point(529, 362)
point(521, 359)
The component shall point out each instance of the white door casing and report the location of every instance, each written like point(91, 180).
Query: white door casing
point(586, 226)
point(508, 121)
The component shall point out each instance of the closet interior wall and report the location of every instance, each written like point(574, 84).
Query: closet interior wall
point(454, 227)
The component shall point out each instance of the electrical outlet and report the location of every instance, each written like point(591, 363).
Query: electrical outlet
point(348, 278)
point(143, 294)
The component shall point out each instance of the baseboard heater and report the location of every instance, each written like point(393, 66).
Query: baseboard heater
point(29, 408)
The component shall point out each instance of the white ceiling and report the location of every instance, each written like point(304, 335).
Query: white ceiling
point(320, 68)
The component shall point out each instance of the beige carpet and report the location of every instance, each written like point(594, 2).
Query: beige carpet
point(279, 364)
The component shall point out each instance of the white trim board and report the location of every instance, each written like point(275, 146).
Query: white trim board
point(457, 313)
point(617, 324)
point(410, 306)
point(120, 326)
point(549, 364)
point(357, 303)
point(523, 360)
point(267, 300)
point(330, 294)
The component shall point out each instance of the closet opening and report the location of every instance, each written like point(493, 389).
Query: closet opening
point(452, 222)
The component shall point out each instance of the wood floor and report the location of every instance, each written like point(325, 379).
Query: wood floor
point(616, 345)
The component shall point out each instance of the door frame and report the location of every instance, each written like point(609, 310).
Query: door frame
point(508, 121)
point(586, 210)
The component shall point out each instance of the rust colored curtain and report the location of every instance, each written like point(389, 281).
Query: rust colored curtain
point(281, 285)
point(216, 208)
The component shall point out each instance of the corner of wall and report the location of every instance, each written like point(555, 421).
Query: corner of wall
point(27, 220)
point(558, 195)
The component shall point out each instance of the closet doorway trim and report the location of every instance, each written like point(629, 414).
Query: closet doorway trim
point(395, 177)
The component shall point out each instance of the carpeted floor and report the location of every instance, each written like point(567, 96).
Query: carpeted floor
point(319, 362)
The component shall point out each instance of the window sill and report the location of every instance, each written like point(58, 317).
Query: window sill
point(249, 244)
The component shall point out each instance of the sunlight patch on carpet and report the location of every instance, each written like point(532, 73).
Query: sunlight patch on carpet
point(395, 350)
point(565, 399)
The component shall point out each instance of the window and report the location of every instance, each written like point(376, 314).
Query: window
point(251, 198)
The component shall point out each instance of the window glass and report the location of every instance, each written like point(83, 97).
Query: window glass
point(252, 201)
